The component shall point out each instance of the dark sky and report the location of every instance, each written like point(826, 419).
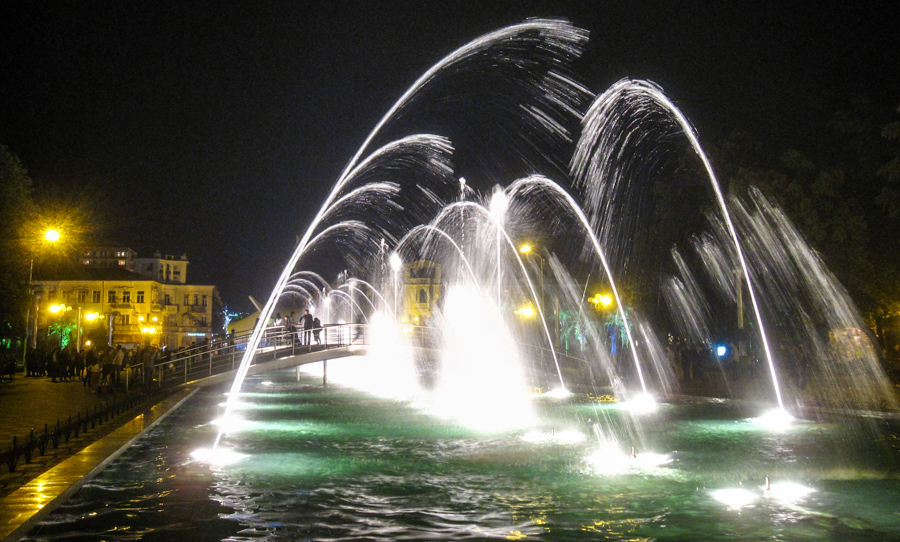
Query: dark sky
point(216, 128)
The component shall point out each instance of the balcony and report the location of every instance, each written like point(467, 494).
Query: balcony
point(202, 309)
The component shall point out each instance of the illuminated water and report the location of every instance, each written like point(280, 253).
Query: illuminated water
point(338, 464)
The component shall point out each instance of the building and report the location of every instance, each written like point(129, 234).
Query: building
point(106, 257)
point(163, 268)
point(131, 307)
point(421, 290)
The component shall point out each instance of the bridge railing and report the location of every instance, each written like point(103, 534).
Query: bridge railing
point(222, 355)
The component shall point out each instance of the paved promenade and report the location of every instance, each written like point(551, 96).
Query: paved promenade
point(23, 507)
point(31, 402)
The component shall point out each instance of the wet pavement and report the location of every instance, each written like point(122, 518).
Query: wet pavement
point(29, 493)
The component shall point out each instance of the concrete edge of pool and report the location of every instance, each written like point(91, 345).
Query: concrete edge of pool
point(24, 508)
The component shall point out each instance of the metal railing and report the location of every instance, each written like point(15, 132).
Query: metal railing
point(223, 355)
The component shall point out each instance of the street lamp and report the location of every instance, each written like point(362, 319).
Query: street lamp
point(50, 236)
point(525, 311)
point(528, 250)
point(601, 300)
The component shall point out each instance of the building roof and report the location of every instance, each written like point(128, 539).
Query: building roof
point(86, 273)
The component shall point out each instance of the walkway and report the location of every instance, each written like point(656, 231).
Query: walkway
point(24, 507)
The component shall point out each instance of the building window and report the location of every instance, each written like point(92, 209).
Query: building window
point(167, 299)
point(111, 296)
point(125, 319)
point(140, 297)
point(205, 300)
point(95, 296)
point(86, 262)
point(126, 296)
point(82, 296)
point(203, 320)
point(423, 296)
point(51, 294)
point(121, 263)
point(196, 299)
point(187, 299)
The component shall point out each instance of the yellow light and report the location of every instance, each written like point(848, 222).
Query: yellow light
point(51, 235)
point(154, 318)
point(526, 312)
point(140, 318)
point(91, 316)
point(55, 308)
point(525, 249)
point(87, 343)
point(606, 300)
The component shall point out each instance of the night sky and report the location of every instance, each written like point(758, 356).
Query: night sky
point(216, 128)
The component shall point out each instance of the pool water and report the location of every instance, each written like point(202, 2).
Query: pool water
point(338, 464)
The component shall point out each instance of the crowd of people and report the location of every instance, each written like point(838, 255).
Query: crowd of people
point(101, 369)
point(306, 330)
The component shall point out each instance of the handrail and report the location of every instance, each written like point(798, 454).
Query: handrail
point(222, 355)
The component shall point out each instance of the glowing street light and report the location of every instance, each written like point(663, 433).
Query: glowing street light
point(525, 249)
point(601, 300)
point(526, 311)
point(51, 236)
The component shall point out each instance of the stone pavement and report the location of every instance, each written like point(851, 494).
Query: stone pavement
point(31, 402)
point(23, 508)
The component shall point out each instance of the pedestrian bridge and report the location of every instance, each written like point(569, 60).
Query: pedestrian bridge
point(279, 348)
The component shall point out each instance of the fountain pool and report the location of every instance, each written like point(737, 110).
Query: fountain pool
point(338, 464)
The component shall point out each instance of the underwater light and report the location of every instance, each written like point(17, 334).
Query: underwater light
point(786, 491)
point(734, 498)
point(643, 403)
point(609, 460)
point(776, 420)
point(231, 424)
point(218, 456)
point(559, 393)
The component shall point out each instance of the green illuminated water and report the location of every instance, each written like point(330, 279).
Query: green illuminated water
point(336, 464)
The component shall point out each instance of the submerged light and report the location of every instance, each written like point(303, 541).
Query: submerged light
point(775, 420)
point(643, 403)
point(219, 456)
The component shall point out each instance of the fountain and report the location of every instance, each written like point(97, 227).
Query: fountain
point(560, 425)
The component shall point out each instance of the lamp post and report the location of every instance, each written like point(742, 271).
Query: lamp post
point(528, 250)
point(50, 236)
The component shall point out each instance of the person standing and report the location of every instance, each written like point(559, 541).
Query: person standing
point(317, 329)
point(307, 320)
point(118, 361)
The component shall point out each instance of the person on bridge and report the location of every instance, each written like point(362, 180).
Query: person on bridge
point(317, 329)
point(307, 320)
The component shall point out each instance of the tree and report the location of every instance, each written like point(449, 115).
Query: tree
point(15, 209)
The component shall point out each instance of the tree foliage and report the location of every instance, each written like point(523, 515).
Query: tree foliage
point(15, 209)
point(846, 203)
